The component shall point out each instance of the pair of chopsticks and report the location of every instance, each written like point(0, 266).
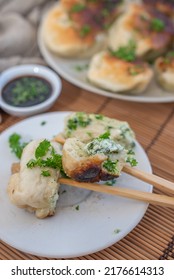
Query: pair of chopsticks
point(158, 182)
point(157, 199)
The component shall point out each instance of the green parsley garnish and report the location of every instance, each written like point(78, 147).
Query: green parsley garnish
point(132, 161)
point(110, 166)
point(16, 145)
point(43, 122)
point(109, 127)
point(42, 149)
point(79, 120)
point(111, 182)
point(76, 8)
point(127, 53)
point(45, 173)
point(54, 161)
point(131, 152)
point(77, 207)
point(99, 117)
point(157, 24)
point(116, 231)
point(106, 135)
point(81, 67)
point(85, 30)
point(28, 91)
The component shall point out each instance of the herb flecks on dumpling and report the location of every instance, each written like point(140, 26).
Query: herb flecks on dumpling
point(164, 69)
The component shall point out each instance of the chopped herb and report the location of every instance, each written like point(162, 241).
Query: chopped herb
point(42, 149)
point(77, 207)
point(109, 127)
point(76, 8)
point(116, 231)
point(131, 152)
point(45, 173)
point(80, 119)
point(99, 117)
point(43, 123)
point(132, 161)
point(81, 67)
point(85, 30)
point(111, 182)
point(127, 53)
point(26, 91)
point(106, 135)
point(103, 146)
point(16, 145)
point(110, 166)
point(157, 25)
point(55, 161)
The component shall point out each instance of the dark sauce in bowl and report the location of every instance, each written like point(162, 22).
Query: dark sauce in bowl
point(26, 91)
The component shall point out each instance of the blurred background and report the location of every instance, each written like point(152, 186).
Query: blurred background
point(19, 21)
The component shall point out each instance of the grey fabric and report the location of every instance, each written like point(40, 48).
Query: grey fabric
point(19, 20)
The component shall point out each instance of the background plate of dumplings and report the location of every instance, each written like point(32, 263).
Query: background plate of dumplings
point(75, 70)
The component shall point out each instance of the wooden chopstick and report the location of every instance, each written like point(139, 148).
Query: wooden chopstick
point(161, 200)
point(157, 199)
point(160, 183)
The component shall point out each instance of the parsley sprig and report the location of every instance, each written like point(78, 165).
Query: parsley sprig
point(80, 119)
point(16, 144)
point(105, 135)
point(157, 24)
point(126, 53)
point(110, 165)
point(53, 161)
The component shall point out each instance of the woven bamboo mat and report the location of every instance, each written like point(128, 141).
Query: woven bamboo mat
point(153, 124)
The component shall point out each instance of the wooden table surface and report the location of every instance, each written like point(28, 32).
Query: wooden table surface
point(153, 124)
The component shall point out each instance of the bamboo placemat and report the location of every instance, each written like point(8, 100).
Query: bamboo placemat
point(153, 124)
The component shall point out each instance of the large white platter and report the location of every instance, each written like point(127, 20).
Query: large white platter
point(67, 68)
point(100, 221)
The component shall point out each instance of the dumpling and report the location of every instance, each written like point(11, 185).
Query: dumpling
point(36, 189)
point(86, 127)
point(164, 69)
point(100, 159)
point(109, 72)
point(149, 29)
point(78, 28)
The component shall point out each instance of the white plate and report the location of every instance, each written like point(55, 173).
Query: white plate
point(67, 69)
point(100, 221)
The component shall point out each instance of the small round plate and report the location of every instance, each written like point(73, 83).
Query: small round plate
point(84, 222)
point(33, 70)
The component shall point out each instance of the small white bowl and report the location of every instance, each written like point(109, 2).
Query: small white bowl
point(30, 70)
